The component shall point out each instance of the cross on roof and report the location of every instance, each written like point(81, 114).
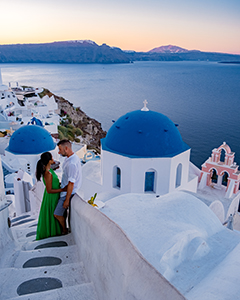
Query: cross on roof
point(145, 106)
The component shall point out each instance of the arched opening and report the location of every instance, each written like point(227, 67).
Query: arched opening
point(214, 176)
point(150, 181)
point(116, 177)
point(225, 179)
point(178, 176)
point(222, 155)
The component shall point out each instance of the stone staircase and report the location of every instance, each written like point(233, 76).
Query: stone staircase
point(45, 269)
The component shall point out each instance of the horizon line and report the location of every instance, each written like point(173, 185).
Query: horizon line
point(89, 40)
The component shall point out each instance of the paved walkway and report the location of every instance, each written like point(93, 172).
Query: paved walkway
point(46, 269)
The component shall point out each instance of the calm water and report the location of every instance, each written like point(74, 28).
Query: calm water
point(202, 97)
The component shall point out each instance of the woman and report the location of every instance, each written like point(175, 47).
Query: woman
point(47, 224)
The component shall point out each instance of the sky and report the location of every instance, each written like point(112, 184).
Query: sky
point(140, 25)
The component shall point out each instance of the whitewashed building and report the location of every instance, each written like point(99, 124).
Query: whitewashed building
point(143, 152)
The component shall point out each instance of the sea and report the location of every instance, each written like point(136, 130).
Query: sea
point(203, 98)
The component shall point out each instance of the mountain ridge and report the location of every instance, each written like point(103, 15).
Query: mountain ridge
point(87, 51)
point(168, 49)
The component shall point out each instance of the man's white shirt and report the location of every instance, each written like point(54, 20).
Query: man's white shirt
point(72, 171)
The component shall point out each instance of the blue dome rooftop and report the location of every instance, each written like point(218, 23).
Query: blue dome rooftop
point(144, 134)
point(31, 139)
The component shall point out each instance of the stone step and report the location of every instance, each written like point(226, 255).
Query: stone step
point(83, 291)
point(15, 281)
point(18, 259)
point(28, 221)
point(23, 221)
point(31, 244)
point(20, 232)
point(20, 218)
point(44, 269)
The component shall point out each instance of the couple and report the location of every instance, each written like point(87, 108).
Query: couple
point(52, 216)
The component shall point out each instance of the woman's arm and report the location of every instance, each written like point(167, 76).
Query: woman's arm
point(48, 181)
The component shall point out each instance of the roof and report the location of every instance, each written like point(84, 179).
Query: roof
point(31, 139)
point(183, 239)
point(144, 134)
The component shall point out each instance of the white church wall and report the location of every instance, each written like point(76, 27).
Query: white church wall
point(182, 159)
point(133, 172)
point(109, 160)
point(116, 258)
point(141, 166)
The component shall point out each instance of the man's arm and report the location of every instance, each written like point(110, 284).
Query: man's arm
point(69, 193)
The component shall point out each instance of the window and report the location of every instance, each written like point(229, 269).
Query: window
point(225, 179)
point(118, 182)
point(178, 176)
point(116, 177)
point(149, 181)
point(222, 156)
point(214, 176)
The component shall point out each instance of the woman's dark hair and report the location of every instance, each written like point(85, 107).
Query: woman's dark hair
point(41, 164)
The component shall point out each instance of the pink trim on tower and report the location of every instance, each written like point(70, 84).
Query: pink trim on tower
point(221, 167)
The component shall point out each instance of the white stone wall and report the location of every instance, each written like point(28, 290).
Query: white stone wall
point(111, 261)
point(2, 188)
point(5, 234)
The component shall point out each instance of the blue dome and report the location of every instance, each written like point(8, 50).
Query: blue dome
point(31, 139)
point(144, 134)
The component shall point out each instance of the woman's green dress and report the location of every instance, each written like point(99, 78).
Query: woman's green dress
point(47, 224)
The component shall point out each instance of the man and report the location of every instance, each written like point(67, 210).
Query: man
point(71, 180)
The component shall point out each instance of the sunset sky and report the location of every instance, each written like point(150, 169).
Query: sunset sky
point(206, 25)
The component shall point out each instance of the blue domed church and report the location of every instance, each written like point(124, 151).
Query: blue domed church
point(25, 147)
point(143, 152)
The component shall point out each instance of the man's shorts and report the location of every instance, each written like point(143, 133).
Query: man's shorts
point(60, 210)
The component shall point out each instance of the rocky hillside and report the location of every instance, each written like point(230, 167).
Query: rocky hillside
point(76, 125)
point(62, 52)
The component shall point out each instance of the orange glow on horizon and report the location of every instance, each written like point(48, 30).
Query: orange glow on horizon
point(137, 26)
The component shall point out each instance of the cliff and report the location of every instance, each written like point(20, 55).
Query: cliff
point(76, 125)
